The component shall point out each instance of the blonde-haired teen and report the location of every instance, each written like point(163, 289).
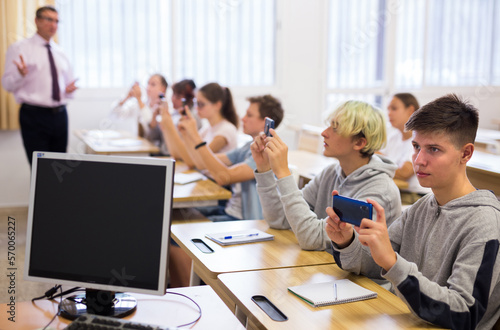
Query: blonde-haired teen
point(356, 131)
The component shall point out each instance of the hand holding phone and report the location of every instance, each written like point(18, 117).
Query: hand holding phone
point(269, 124)
point(158, 116)
point(183, 110)
point(351, 210)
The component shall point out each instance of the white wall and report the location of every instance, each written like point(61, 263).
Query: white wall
point(14, 170)
point(301, 73)
point(485, 98)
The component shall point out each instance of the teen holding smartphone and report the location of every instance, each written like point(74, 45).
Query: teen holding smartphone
point(442, 254)
point(355, 132)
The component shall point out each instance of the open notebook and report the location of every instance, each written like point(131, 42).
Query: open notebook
point(331, 293)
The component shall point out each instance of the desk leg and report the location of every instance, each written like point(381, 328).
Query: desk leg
point(240, 316)
point(194, 279)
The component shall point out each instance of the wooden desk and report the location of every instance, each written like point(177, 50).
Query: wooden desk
point(187, 215)
point(483, 171)
point(310, 164)
point(496, 121)
point(402, 184)
point(199, 193)
point(167, 310)
point(283, 251)
point(488, 140)
point(387, 311)
point(109, 142)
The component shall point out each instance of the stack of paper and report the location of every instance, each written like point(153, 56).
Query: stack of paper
point(125, 142)
point(183, 178)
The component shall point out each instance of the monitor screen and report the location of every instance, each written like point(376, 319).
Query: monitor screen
point(100, 222)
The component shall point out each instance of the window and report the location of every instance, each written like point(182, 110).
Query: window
point(460, 47)
point(411, 44)
point(355, 46)
point(231, 41)
point(114, 43)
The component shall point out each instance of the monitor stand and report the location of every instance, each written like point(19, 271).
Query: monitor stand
point(98, 302)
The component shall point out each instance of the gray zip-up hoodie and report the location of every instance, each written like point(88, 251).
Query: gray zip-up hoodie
point(285, 206)
point(448, 267)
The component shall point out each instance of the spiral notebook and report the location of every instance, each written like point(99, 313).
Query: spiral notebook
point(332, 293)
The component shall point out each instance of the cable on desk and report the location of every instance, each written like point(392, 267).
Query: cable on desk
point(75, 289)
point(58, 308)
point(49, 294)
point(199, 309)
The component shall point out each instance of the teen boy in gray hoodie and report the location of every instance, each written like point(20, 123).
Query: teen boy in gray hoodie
point(442, 254)
point(356, 131)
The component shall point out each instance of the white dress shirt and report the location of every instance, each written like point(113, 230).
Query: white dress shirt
point(35, 87)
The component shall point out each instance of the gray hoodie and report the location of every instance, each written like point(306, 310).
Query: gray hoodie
point(285, 206)
point(448, 267)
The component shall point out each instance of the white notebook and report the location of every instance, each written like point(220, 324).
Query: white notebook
point(332, 293)
point(184, 178)
point(240, 236)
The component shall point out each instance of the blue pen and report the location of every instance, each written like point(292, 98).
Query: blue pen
point(238, 236)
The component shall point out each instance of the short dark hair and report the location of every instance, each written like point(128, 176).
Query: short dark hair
point(39, 11)
point(408, 100)
point(269, 106)
point(185, 88)
point(448, 114)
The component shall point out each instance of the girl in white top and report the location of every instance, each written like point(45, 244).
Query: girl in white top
point(399, 148)
point(142, 112)
point(183, 94)
point(215, 104)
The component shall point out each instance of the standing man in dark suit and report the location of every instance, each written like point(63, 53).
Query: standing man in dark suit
point(41, 78)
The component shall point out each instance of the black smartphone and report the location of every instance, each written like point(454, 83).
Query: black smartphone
point(161, 96)
point(269, 124)
point(352, 210)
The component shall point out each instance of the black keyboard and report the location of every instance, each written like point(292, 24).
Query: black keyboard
point(98, 322)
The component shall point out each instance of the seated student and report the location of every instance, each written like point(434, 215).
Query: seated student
point(399, 149)
point(183, 89)
point(141, 112)
point(236, 168)
point(214, 103)
point(356, 131)
point(441, 255)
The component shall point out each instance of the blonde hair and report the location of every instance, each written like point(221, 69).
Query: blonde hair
point(360, 119)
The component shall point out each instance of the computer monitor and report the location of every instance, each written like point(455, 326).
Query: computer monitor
point(101, 223)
